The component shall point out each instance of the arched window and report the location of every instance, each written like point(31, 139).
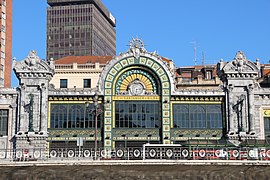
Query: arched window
point(197, 116)
point(214, 116)
point(75, 115)
point(59, 116)
point(181, 116)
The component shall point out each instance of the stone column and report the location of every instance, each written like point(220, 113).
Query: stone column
point(250, 89)
point(43, 109)
point(231, 118)
point(13, 128)
point(23, 120)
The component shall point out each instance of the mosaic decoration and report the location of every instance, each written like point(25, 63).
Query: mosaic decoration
point(132, 132)
point(197, 131)
point(78, 132)
point(136, 75)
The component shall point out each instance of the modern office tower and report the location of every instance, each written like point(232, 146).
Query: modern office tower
point(6, 43)
point(79, 28)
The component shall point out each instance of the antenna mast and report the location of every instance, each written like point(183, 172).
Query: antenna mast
point(195, 51)
point(202, 57)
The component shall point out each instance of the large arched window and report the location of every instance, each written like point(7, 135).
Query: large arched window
point(58, 116)
point(76, 116)
point(72, 116)
point(214, 116)
point(197, 116)
point(181, 112)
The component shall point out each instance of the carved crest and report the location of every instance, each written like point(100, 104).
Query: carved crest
point(32, 63)
point(240, 65)
point(32, 58)
point(239, 61)
point(136, 47)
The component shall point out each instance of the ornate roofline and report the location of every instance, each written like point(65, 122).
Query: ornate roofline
point(33, 66)
point(137, 51)
point(239, 67)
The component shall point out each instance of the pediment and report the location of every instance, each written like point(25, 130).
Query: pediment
point(32, 63)
point(240, 65)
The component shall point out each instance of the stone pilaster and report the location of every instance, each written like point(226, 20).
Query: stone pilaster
point(231, 116)
point(250, 89)
point(34, 75)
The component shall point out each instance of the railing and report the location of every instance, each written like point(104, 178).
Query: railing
point(64, 66)
point(139, 153)
point(86, 66)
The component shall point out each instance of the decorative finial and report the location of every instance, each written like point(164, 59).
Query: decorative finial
point(32, 58)
point(240, 56)
point(136, 46)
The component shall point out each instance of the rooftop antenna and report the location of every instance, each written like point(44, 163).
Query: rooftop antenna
point(195, 51)
point(202, 57)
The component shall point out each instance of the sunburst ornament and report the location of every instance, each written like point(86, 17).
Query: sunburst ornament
point(125, 81)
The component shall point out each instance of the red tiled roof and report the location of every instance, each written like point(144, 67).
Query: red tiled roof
point(166, 60)
point(83, 59)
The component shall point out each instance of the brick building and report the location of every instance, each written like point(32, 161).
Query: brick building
point(6, 43)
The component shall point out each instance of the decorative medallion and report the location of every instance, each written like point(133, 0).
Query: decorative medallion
point(136, 88)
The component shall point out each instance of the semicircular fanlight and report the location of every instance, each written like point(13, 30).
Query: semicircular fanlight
point(143, 79)
point(130, 76)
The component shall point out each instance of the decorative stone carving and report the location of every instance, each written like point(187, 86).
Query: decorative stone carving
point(239, 61)
point(240, 77)
point(32, 63)
point(136, 47)
point(238, 109)
point(34, 75)
point(136, 88)
point(136, 50)
point(239, 65)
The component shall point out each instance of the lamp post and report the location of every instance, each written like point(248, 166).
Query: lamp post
point(97, 111)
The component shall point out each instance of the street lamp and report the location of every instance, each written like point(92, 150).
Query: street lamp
point(97, 111)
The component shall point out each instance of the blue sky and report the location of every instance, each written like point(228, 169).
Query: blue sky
point(220, 28)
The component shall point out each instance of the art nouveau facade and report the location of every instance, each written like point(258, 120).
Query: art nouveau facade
point(141, 98)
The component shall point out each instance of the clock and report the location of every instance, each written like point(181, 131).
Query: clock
point(136, 88)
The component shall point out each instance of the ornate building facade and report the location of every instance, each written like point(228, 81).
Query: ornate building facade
point(132, 99)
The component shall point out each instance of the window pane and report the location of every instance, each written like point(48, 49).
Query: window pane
point(137, 114)
point(87, 83)
point(3, 122)
point(63, 83)
point(197, 116)
point(267, 125)
point(75, 115)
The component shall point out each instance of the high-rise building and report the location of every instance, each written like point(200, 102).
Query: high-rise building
point(79, 28)
point(6, 43)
